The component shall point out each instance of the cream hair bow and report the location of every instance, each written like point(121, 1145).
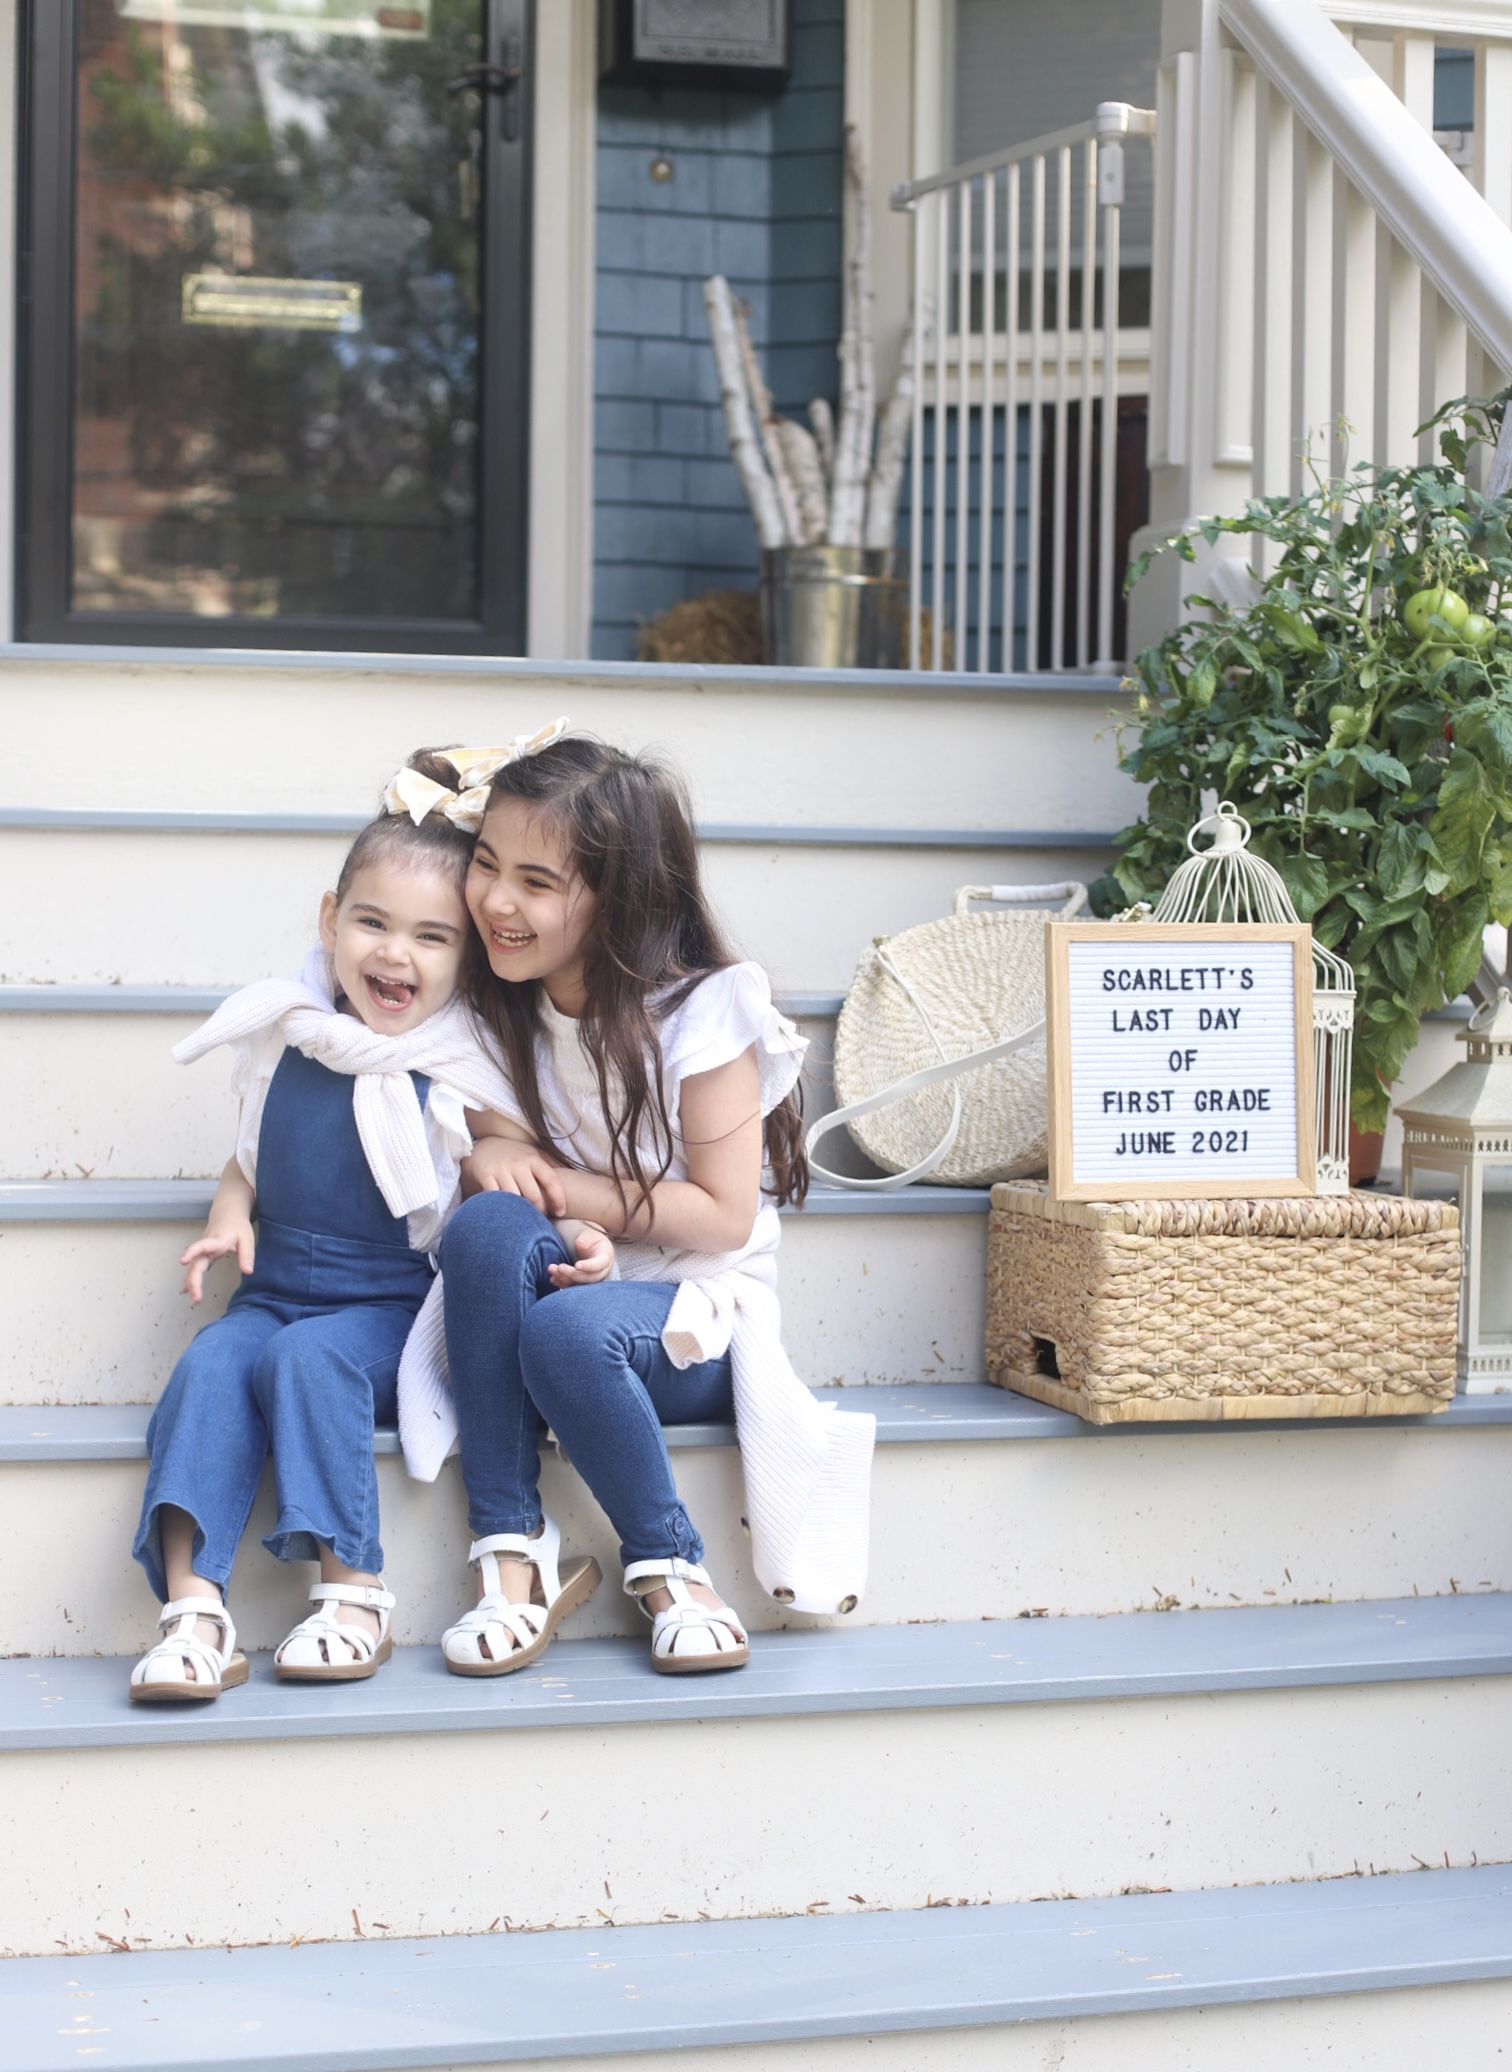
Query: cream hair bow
point(411, 792)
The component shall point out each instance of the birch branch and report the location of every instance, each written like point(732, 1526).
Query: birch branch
point(893, 428)
point(853, 437)
point(807, 470)
point(822, 418)
point(766, 419)
point(745, 452)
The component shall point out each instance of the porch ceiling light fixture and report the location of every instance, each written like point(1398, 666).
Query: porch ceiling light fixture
point(744, 45)
point(1457, 1146)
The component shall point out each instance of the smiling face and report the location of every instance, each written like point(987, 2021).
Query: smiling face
point(531, 908)
point(396, 939)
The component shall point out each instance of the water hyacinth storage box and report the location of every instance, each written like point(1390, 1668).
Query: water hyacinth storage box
point(1143, 1311)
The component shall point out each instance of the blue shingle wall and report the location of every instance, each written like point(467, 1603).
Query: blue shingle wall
point(755, 195)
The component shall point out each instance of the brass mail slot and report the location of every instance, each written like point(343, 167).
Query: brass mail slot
point(256, 302)
point(329, 17)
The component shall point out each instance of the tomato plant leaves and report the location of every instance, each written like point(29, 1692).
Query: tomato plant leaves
point(1376, 778)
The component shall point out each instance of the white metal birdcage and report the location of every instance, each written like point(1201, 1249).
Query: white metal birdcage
point(1226, 883)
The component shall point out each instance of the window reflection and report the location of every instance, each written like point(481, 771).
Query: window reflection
point(276, 287)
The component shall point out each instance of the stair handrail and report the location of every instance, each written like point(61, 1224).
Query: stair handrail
point(1451, 232)
point(1113, 119)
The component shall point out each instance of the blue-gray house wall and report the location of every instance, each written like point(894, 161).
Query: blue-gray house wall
point(755, 194)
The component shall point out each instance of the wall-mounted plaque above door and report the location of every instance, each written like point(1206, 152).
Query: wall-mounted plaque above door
point(1181, 1060)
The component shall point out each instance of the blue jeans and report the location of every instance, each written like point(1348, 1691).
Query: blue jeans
point(306, 1381)
point(587, 1361)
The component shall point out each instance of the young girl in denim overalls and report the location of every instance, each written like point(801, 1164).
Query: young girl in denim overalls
point(355, 1081)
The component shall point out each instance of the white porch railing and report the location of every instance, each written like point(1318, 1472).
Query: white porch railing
point(1367, 281)
point(1323, 278)
point(1016, 271)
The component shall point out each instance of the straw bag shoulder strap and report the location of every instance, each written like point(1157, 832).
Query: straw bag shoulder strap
point(1074, 897)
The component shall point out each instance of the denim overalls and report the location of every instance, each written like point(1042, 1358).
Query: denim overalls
point(306, 1356)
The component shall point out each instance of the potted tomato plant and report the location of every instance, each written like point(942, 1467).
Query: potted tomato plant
point(1358, 711)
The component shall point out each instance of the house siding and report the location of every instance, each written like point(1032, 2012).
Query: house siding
point(755, 195)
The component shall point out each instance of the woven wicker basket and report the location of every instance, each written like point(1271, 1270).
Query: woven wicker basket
point(1328, 1306)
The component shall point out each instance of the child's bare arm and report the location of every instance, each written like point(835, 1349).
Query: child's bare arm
point(505, 1160)
point(228, 1228)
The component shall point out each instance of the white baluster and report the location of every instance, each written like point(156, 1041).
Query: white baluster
point(916, 447)
point(1036, 415)
point(1084, 420)
point(940, 474)
point(962, 416)
point(988, 435)
point(1058, 463)
point(1275, 150)
point(1012, 260)
point(1352, 375)
point(1312, 301)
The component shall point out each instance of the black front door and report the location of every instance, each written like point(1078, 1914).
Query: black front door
point(276, 283)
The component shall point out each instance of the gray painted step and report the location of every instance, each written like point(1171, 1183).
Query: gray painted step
point(176, 1201)
point(80, 1701)
point(942, 1412)
point(365, 2007)
point(719, 833)
point(923, 684)
point(91, 999)
point(939, 1411)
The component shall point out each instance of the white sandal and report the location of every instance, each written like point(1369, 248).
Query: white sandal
point(216, 1669)
point(516, 1634)
point(310, 1654)
point(688, 1637)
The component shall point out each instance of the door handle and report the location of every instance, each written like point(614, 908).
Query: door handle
point(503, 80)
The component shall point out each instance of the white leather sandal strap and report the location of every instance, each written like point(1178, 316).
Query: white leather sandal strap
point(667, 1569)
point(192, 1607)
point(521, 1623)
point(542, 1552)
point(693, 1617)
point(371, 1596)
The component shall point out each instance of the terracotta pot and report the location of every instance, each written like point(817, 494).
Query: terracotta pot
point(1365, 1147)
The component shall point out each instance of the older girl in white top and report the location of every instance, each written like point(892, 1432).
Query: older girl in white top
point(654, 1093)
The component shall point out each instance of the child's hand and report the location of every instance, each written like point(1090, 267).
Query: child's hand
point(595, 1260)
point(502, 1165)
point(223, 1235)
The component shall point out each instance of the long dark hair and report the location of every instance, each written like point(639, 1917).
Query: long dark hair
point(625, 825)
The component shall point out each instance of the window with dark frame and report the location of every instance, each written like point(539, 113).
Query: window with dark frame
point(275, 300)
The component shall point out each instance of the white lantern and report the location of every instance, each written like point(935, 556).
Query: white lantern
point(1226, 883)
point(1457, 1146)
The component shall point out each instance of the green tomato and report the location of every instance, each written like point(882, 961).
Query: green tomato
point(1437, 655)
point(1477, 631)
point(1424, 605)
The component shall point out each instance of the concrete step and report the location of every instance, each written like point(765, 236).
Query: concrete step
point(1394, 1973)
point(983, 1506)
point(148, 898)
point(323, 733)
point(1193, 1750)
point(886, 1288)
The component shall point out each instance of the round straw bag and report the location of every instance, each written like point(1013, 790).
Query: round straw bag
point(940, 1046)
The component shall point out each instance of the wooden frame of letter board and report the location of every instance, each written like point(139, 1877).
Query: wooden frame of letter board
point(1156, 935)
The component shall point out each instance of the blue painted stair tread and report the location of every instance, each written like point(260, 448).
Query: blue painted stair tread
point(939, 1412)
point(672, 1986)
point(182, 1201)
point(80, 1701)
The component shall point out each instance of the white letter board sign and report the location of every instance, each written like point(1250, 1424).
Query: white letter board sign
point(1181, 1060)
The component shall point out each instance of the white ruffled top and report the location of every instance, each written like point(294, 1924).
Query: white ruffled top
point(725, 1015)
